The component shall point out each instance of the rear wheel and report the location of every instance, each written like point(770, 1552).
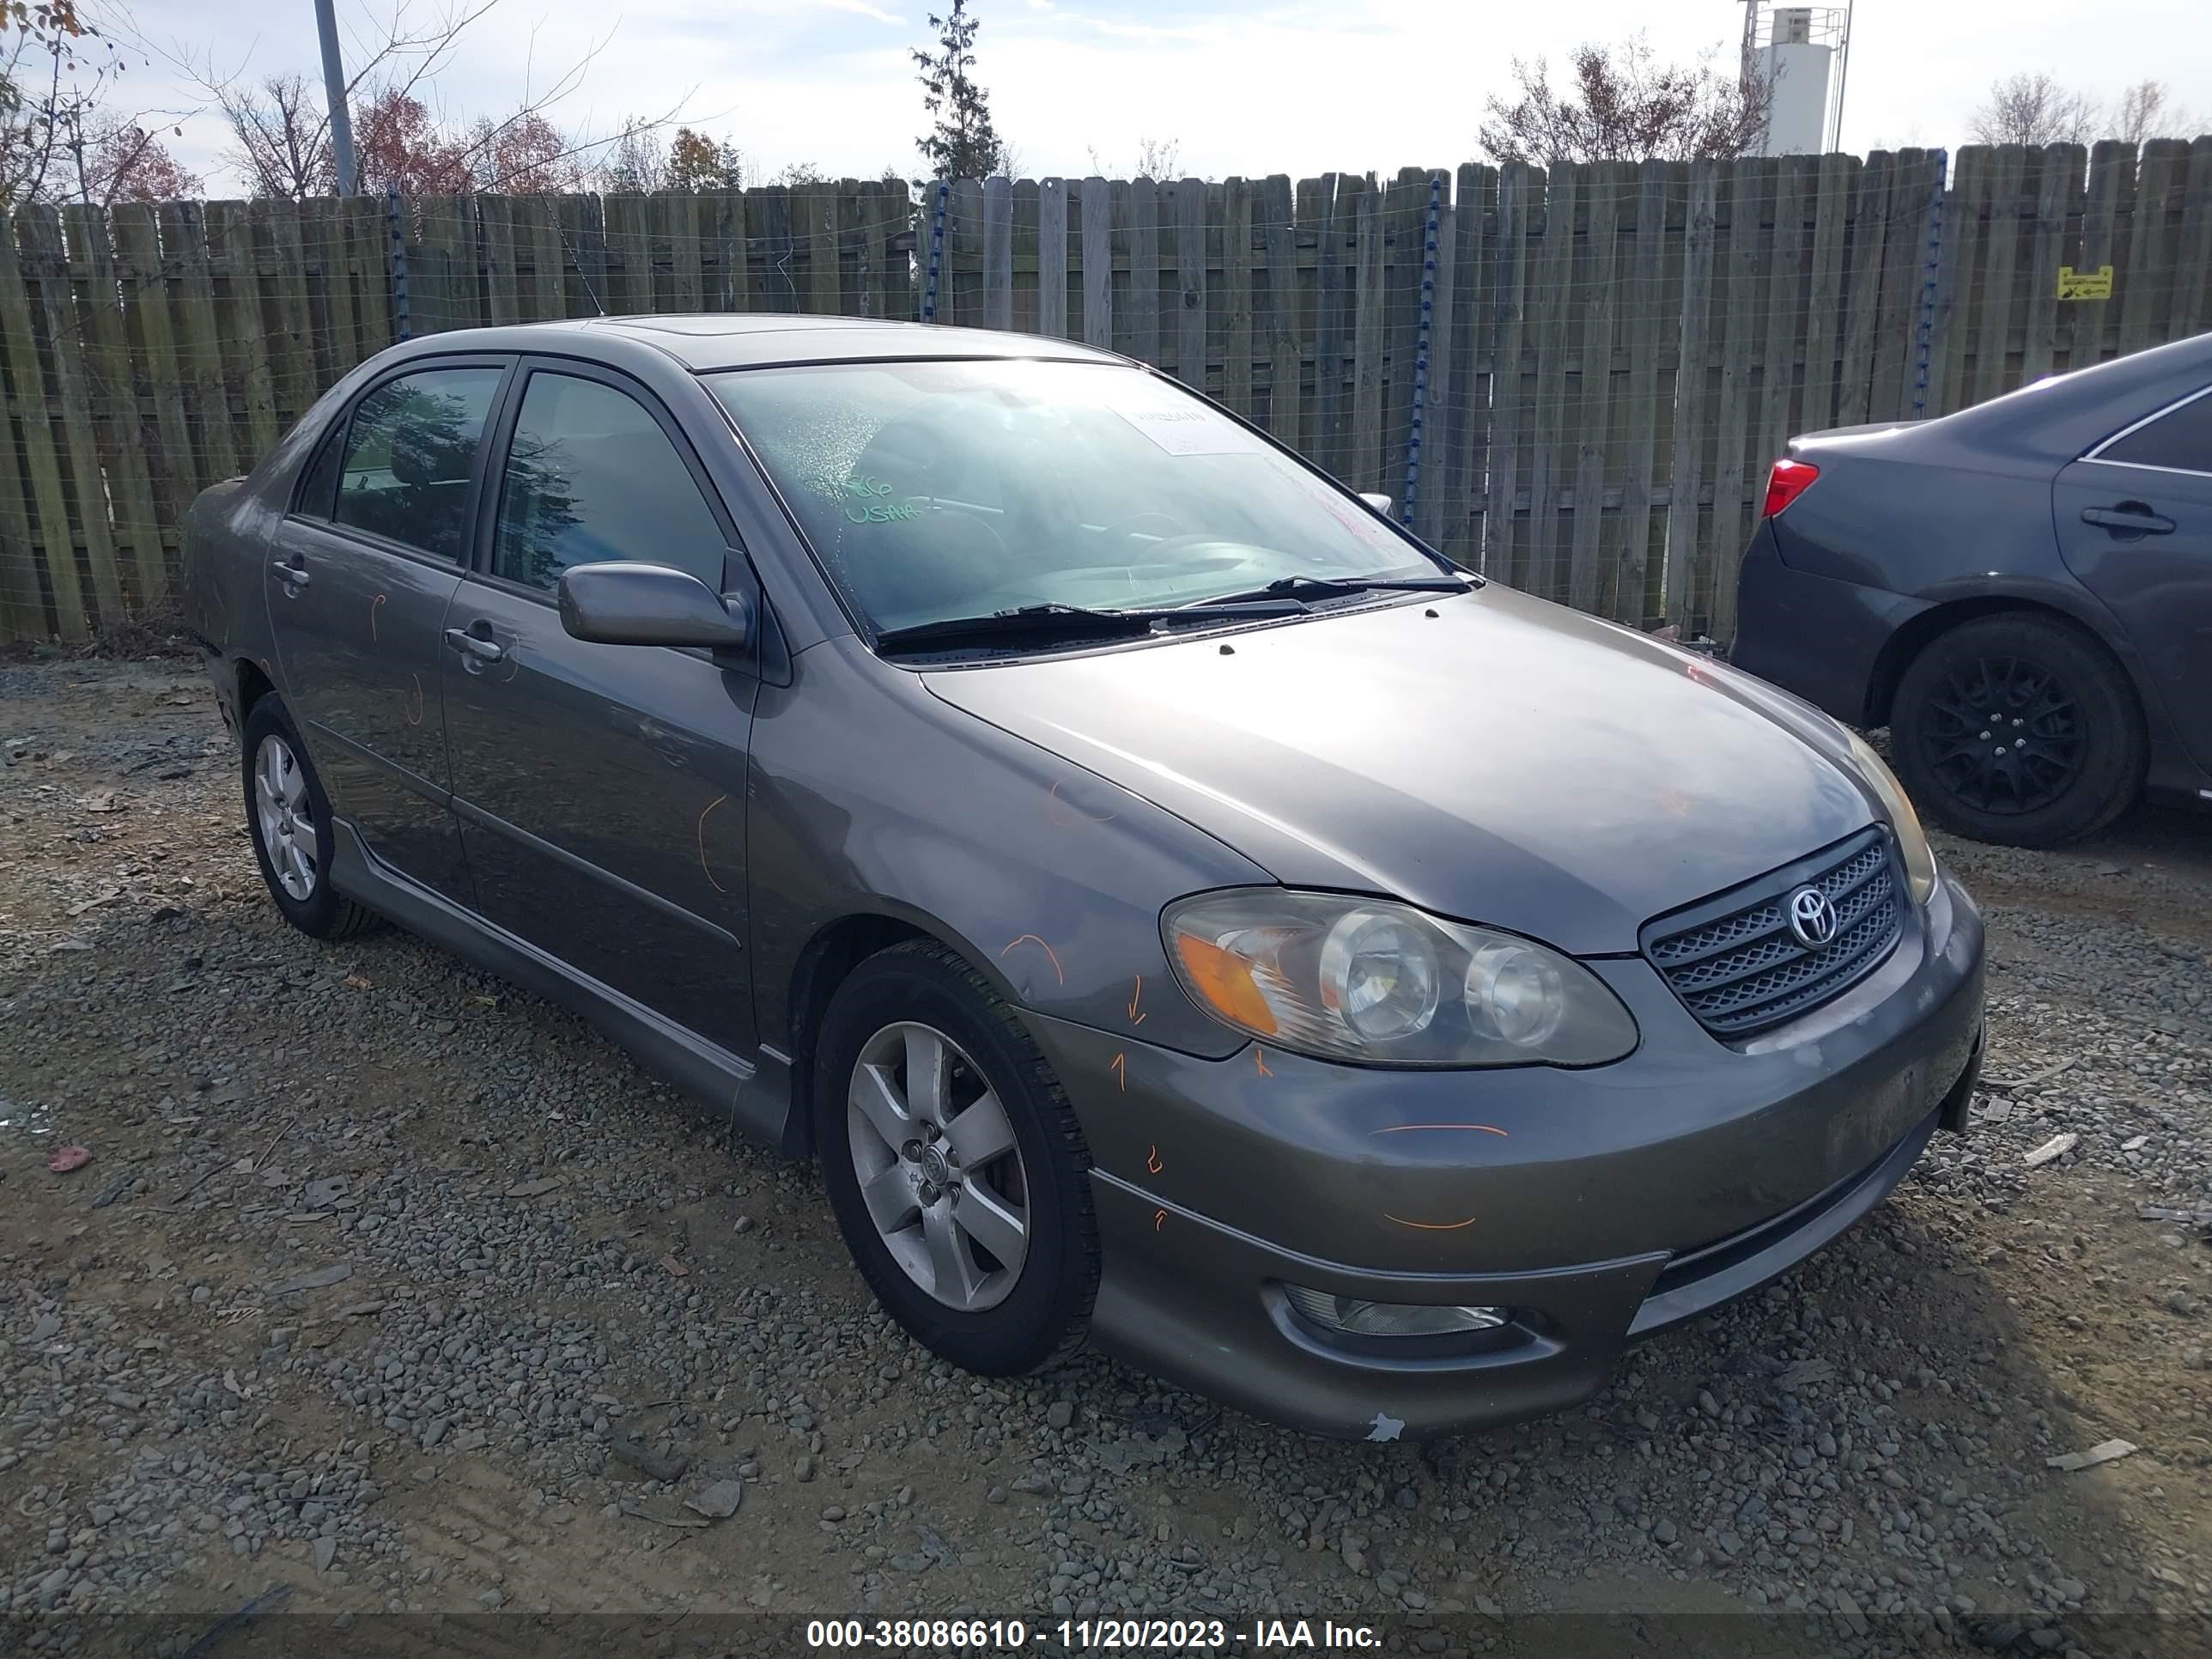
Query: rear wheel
point(288, 818)
point(954, 1164)
point(2018, 728)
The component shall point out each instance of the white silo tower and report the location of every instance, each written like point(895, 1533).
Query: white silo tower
point(1802, 51)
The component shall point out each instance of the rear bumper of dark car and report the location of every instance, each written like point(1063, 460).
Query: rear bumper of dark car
point(1817, 636)
point(1711, 1178)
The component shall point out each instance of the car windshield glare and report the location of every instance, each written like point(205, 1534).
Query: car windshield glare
point(932, 491)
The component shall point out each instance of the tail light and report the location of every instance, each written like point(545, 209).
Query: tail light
point(1787, 482)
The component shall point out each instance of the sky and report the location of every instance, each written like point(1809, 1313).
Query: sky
point(1264, 86)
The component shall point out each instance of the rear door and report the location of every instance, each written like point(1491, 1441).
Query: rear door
point(601, 788)
point(360, 574)
point(2135, 524)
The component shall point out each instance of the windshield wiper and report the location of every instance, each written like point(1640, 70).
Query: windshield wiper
point(1323, 587)
point(1033, 622)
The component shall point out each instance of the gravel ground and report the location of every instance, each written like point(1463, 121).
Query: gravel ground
point(391, 1285)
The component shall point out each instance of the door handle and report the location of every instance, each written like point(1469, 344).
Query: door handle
point(475, 646)
point(2129, 519)
point(293, 576)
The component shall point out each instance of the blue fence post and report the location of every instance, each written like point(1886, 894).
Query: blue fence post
point(936, 250)
point(1421, 352)
point(1925, 345)
point(402, 323)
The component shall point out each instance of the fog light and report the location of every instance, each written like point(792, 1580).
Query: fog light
point(1355, 1316)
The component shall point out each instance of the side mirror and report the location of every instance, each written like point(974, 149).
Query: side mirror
point(626, 604)
point(1380, 503)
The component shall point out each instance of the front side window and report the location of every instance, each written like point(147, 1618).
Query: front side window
point(933, 491)
point(591, 477)
point(408, 451)
point(2180, 439)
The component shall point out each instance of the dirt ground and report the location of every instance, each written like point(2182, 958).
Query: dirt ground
point(401, 1290)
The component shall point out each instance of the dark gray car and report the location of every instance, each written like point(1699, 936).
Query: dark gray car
point(1173, 905)
point(2021, 592)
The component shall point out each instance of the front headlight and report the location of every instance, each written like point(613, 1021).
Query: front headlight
point(1372, 980)
point(1911, 839)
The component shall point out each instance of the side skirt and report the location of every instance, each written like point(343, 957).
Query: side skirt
point(757, 1097)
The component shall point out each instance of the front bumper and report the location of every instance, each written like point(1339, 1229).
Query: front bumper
point(1615, 1202)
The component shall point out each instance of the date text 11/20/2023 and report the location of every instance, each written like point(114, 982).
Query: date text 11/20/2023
point(1013, 1635)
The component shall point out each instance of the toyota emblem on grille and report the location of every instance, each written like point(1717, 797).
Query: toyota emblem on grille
point(1812, 918)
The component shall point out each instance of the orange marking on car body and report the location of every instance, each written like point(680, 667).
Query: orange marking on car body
point(1403, 1128)
point(704, 868)
point(1260, 1056)
point(1159, 1216)
point(1032, 939)
point(1135, 997)
point(1120, 1064)
point(415, 702)
point(1153, 1164)
point(373, 603)
point(1430, 1226)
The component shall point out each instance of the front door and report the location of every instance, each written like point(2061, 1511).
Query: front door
point(2135, 524)
point(360, 573)
point(601, 788)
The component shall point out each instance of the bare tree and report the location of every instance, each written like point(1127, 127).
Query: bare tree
point(60, 139)
point(1621, 104)
point(2035, 109)
point(2146, 110)
point(1156, 158)
point(280, 129)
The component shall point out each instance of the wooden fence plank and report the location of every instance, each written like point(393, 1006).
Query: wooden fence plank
point(1236, 346)
point(2112, 177)
point(2192, 292)
point(1995, 298)
point(152, 335)
point(1028, 198)
point(185, 245)
point(1096, 254)
point(1326, 433)
point(998, 254)
point(1052, 258)
point(1961, 274)
point(1519, 190)
point(96, 338)
point(629, 290)
point(677, 216)
point(1687, 477)
point(1552, 302)
point(1285, 351)
point(1191, 285)
point(35, 526)
point(2052, 180)
point(1863, 256)
point(1824, 309)
point(1438, 483)
point(1143, 242)
point(1644, 312)
point(1591, 405)
point(39, 245)
point(2148, 295)
point(245, 339)
point(1366, 466)
point(1466, 436)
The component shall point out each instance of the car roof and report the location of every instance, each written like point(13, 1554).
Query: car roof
point(707, 341)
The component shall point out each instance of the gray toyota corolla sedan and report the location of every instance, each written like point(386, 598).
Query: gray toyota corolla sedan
point(1174, 906)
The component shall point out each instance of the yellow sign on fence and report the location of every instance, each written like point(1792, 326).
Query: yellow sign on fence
point(2085, 284)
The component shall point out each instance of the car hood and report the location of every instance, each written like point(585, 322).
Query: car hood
point(1490, 758)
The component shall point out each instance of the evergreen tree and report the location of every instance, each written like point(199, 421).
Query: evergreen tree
point(961, 143)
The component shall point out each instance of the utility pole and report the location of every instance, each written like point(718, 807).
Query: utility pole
point(334, 94)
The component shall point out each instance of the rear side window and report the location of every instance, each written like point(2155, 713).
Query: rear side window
point(319, 484)
point(2180, 439)
point(591, 477)
point(409, 452)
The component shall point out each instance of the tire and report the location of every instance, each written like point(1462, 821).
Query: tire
point(2077, 751)
point(1002, 1321)
point(296, 868)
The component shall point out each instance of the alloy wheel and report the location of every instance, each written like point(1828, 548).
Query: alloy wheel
point(2003, 734)
point(939, 1168)
point(287, 817)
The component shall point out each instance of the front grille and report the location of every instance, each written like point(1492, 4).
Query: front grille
point(1736, 965)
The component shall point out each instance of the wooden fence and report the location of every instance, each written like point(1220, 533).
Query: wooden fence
point(1573, 381)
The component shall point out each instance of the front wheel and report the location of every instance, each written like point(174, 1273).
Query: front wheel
point(954, 1164)
point(2018, 728)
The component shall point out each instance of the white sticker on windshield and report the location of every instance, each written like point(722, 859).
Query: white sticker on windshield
point(1189, 431)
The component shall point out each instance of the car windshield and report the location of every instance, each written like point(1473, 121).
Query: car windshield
point(933, 490)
